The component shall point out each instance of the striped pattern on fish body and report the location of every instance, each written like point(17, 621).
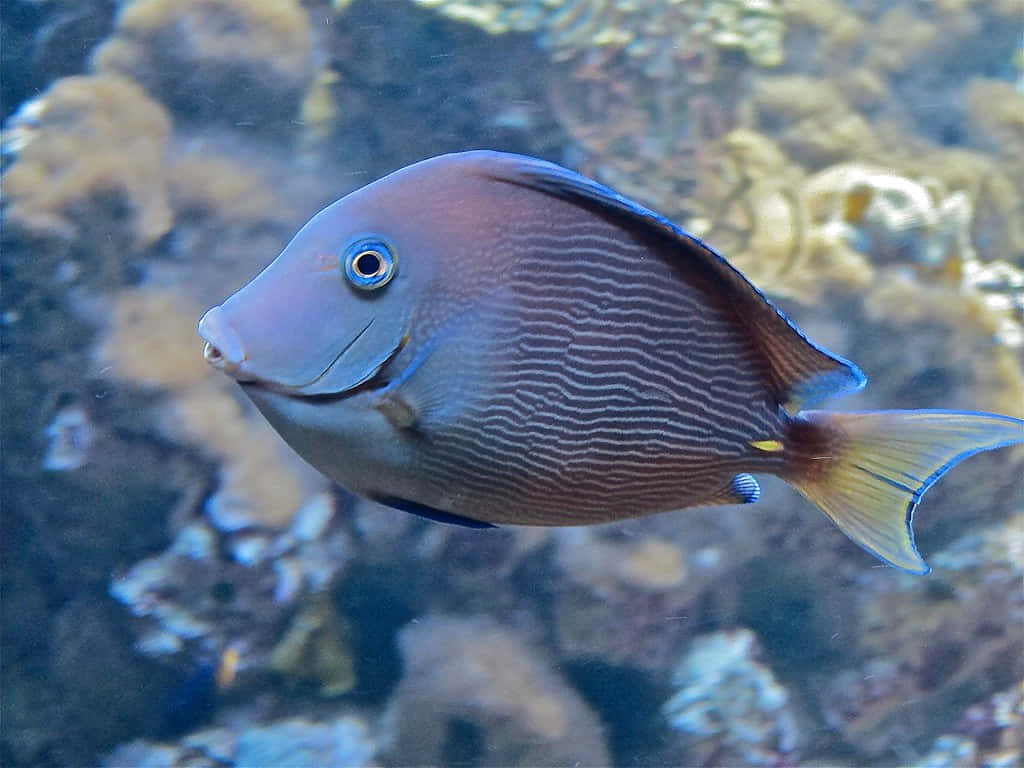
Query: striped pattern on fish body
point(616, 382)
point(488, 338)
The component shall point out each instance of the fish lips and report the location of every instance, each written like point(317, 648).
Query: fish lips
point(225, 351)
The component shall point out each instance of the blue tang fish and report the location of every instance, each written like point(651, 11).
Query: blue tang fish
point(486, 338)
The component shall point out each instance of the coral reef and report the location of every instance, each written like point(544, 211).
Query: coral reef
point(345, 741)
point(761, 209)
point(860, 160)
point(205, 179)
point(70, 179)
point(730, 706)
point(995, 123)
point(890, 217)
point(605, 576)
point(315, 649)
point(658, 34)
point(295, 742)
point(810, 120)
point(920, 248)
point(926, 644)
point(988, 734)
point(229, 61)
point(640, 83)
point(978, 331)
point(473, 671)
point(193, 597)
point(893, 76)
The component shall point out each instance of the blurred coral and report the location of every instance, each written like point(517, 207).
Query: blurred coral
point(239, 62)
point(890, 217)
point(914, 247)
point(297, 741)
point(638, 590)
point(757, 207)
point(657, 33)
point(70, 437)
point(151, 342)
point(997, 196)
point(979, 331)
point(810, 119)
point(925, 643)
point(730, 706)
point(648, 563)
point(204, 179)
point(91, 156)
point(212, 590)
point(473, 671)
point(996, 111)
point(341, 740)
point(988, 735)
point(315, 649)
point(641, 83)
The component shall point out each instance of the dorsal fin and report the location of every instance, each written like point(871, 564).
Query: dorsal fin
point(802, 372)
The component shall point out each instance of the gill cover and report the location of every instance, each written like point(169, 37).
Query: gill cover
point(302, 326)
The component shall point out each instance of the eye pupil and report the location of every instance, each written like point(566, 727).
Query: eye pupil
point(367, 264)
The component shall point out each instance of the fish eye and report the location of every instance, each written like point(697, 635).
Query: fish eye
point(369, 264)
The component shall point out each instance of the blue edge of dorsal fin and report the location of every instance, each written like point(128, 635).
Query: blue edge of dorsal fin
point(837, 376)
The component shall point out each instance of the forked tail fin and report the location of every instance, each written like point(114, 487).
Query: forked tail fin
point(867, 471)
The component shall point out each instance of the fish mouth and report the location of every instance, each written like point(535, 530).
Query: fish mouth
point(300, 390)
point(375, 378)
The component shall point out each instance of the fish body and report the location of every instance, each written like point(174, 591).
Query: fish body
point(493, 339)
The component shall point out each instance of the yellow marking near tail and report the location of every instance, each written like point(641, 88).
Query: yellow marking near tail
point(768, 446)
point(227, 669)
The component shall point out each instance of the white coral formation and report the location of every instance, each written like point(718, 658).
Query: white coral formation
point(730, 705)
point(173, 595)
point(879, 212)
point(345, 740)
point(69, 437)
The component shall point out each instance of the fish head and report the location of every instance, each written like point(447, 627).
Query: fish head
point(337, 304)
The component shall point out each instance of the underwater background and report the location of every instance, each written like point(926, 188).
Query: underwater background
point(179, 589)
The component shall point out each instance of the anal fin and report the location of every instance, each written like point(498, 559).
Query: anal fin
point(429, 513)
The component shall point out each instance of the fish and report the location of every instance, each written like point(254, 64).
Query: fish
point(490, 339)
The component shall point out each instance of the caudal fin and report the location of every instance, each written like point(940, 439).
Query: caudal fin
point(867, 471)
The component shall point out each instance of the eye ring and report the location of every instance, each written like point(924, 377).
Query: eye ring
point(369, 264)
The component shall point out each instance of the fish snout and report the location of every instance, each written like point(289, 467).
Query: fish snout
point(223, 349)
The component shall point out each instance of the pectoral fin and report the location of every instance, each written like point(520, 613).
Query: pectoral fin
point(423, 391)
point(448, 373)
